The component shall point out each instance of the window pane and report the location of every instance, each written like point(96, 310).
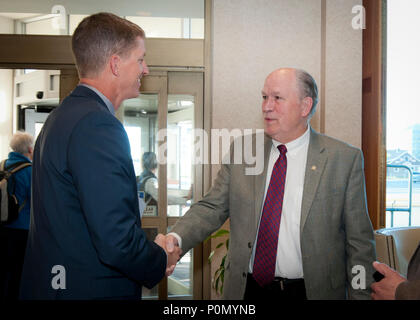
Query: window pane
point(38, 128)
point(403, 115)
point(179, 155)
point(156, 27)
point(46, 26)
point(180, 283)
point(140, 122)
point(197, 28)
point(162, 19)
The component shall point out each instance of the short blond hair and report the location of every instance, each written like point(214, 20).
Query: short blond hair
point(98, 37)
point(21, 142)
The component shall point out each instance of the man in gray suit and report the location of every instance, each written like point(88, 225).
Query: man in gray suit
point(299, 230)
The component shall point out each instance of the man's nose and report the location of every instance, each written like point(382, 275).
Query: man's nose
point(145, 68)
point(267, 105)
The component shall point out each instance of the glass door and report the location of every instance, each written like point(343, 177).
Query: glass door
point(184, 175)
point(160, 124)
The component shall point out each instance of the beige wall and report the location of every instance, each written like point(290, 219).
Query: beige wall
point(343, 82)
point(251, 40)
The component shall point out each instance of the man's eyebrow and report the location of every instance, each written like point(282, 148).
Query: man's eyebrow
point(274, 93)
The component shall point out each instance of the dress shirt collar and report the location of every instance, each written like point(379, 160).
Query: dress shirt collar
point(105, 99)
point(295, 144)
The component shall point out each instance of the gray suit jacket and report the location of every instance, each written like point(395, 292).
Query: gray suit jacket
point(336, 232)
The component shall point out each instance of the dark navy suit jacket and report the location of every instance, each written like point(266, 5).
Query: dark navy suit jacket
point(85, 216)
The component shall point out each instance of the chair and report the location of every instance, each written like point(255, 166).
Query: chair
point(396, 246)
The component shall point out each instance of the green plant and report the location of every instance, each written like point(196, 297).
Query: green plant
point(219, 274)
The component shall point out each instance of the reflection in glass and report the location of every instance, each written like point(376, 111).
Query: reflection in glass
point(140, 122)
point(139, 117)
point(180, 283)
point(180, 152)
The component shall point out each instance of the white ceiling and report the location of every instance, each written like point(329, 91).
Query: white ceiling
point(18, 16)
point(153, 8)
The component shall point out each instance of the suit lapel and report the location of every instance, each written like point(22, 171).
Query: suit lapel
point(259, 180)
point(315, 164)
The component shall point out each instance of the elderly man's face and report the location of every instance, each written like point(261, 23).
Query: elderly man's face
point(133, 68)
point(285, 113)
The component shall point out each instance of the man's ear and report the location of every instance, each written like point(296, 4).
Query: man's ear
point(114, 64)
point(306, 106)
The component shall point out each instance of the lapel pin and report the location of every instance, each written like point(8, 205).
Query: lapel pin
point(313, 168)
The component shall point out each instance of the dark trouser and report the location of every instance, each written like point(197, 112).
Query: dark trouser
point(280, 288)
point(12, 251)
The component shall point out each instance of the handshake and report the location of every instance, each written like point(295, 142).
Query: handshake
point(170, 244)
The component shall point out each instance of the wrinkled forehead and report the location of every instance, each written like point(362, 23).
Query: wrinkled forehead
point(280, 81)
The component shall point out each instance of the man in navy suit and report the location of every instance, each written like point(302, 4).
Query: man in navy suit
point(85, 238)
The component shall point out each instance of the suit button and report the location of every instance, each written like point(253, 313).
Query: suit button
point(249, 245)
point(244, 275)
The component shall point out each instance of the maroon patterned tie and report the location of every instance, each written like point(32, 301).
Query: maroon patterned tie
point(268, 234)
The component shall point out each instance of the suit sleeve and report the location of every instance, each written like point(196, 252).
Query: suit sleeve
point(410, 289)
point(360, 245)
point(101, 167)
point(207, 215)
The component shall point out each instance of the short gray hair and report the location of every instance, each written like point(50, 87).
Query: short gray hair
point(308, 88)
point(21, 142)
point(149, 161)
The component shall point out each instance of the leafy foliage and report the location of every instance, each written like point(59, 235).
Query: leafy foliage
point(219, 274)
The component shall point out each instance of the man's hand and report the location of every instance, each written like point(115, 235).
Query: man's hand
point(385, 289)
point(172, 250)
point(171, 243)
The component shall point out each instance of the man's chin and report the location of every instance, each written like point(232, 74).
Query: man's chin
point(269, 131)
point(135, 93)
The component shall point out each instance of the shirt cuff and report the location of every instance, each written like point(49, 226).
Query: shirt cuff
point(177, 237)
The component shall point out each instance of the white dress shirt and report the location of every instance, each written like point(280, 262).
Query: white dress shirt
point(289, 257)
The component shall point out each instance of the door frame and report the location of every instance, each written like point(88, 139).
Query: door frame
point(374, 109)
